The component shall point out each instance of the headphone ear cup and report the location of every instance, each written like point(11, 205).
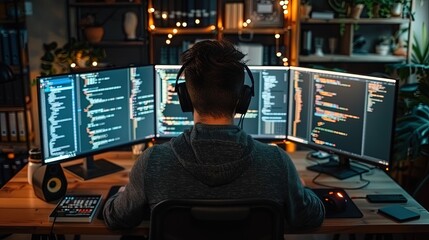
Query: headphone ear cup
point(244, 100)
point(184, 99)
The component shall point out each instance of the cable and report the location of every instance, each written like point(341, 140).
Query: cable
point(241, 121)
point(367, 182)
point(51, 232)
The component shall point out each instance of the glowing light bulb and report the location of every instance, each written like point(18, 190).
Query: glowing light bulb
point(94, 64)
point(73, 65)
point(164, 15)
point(151, 10)
point(197, 21)
point(277, 36)
point(170, 35)
point(278, 54)
point(174, 31)
point(152, 27)
point(184, 24)
point(168, 41)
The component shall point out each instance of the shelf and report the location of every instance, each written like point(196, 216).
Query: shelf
point(123, 43)
point(353, 58)
point(11, 108)
point(356, 21)
point(104, 4)
point(255, 31)
point(203, 30)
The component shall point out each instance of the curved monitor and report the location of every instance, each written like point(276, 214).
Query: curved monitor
point(346, 114)
point(85, 113)
point(265, 118)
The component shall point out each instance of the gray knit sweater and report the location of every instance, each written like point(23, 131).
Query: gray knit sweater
point(214, 162)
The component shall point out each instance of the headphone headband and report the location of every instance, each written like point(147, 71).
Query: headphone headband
point(249, 72)
point(243, 102)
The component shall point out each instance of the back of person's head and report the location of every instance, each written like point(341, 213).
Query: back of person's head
point(214, 73)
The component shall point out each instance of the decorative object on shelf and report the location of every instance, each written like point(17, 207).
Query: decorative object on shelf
point(306, 42)
point(73, 54)
point(396, 9)
point(93, 32)
point(318, 46)
point(130, 25)
point(348, 8)
point(332, 44)
point(305, 8)
point(359, 42)
point(356, 11)
point(383, 45)
point(265, 13)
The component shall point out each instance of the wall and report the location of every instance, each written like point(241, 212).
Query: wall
point(47, 23)
point(421, 8)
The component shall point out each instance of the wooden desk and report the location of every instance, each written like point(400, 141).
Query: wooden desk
point(22, 212)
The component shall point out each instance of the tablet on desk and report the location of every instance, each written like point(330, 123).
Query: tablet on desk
point(399, 213)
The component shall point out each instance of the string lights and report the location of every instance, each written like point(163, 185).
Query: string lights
point(197, 21)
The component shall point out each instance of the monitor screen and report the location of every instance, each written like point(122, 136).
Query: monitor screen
point(265, 118)
point(84, 113)
point(346, 114)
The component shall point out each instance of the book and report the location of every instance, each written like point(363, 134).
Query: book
point(322, 15)
point(76, 208)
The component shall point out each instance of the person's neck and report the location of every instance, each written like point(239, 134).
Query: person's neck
point(210, 120)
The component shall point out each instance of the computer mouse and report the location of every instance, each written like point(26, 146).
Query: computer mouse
point(335, 201)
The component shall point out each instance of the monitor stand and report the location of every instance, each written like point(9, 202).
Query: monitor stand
point(340, 168)
point(91, 169)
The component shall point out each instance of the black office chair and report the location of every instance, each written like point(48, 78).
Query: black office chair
point(217, 219)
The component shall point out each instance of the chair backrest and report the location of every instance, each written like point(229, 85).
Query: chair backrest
point(217, 219)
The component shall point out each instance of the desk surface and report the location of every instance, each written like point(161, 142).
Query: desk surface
point(22, 212)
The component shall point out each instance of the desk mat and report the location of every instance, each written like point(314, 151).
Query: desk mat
point(351, 211)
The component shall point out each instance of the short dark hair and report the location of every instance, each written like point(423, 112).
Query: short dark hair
point(214, 73)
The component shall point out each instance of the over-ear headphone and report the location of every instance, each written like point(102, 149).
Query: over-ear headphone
point(246, 94)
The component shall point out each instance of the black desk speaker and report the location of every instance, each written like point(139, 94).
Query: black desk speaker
point(49, 182)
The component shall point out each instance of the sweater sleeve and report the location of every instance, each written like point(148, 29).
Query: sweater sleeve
point(126, 209)
point(303, 208)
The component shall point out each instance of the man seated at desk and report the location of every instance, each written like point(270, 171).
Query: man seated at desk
point(214, 159)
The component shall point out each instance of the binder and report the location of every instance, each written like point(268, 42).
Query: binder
point(12, 127)
point(5, 46)
point(4, 128)
point(22, 131)
point(14, 47)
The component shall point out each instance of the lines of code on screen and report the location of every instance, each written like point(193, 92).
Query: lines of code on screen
point(94, 111)
point(348, 113)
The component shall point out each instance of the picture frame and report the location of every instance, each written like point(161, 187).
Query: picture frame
point(264, 13)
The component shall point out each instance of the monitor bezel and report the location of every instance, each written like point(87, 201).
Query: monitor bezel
point(379, 163)
point(262, 138)
point(91, 153)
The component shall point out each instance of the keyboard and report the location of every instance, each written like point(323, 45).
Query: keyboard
point(76, 208)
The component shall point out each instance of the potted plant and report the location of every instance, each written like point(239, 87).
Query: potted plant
point(347, 8)
point(92, 30)
point(305, 8)
point(383, 45)
point(56, 60)
point(411, 142)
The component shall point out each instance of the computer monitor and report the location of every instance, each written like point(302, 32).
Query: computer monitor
point(265, 118)
point(85, 113)
point(349, 115)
